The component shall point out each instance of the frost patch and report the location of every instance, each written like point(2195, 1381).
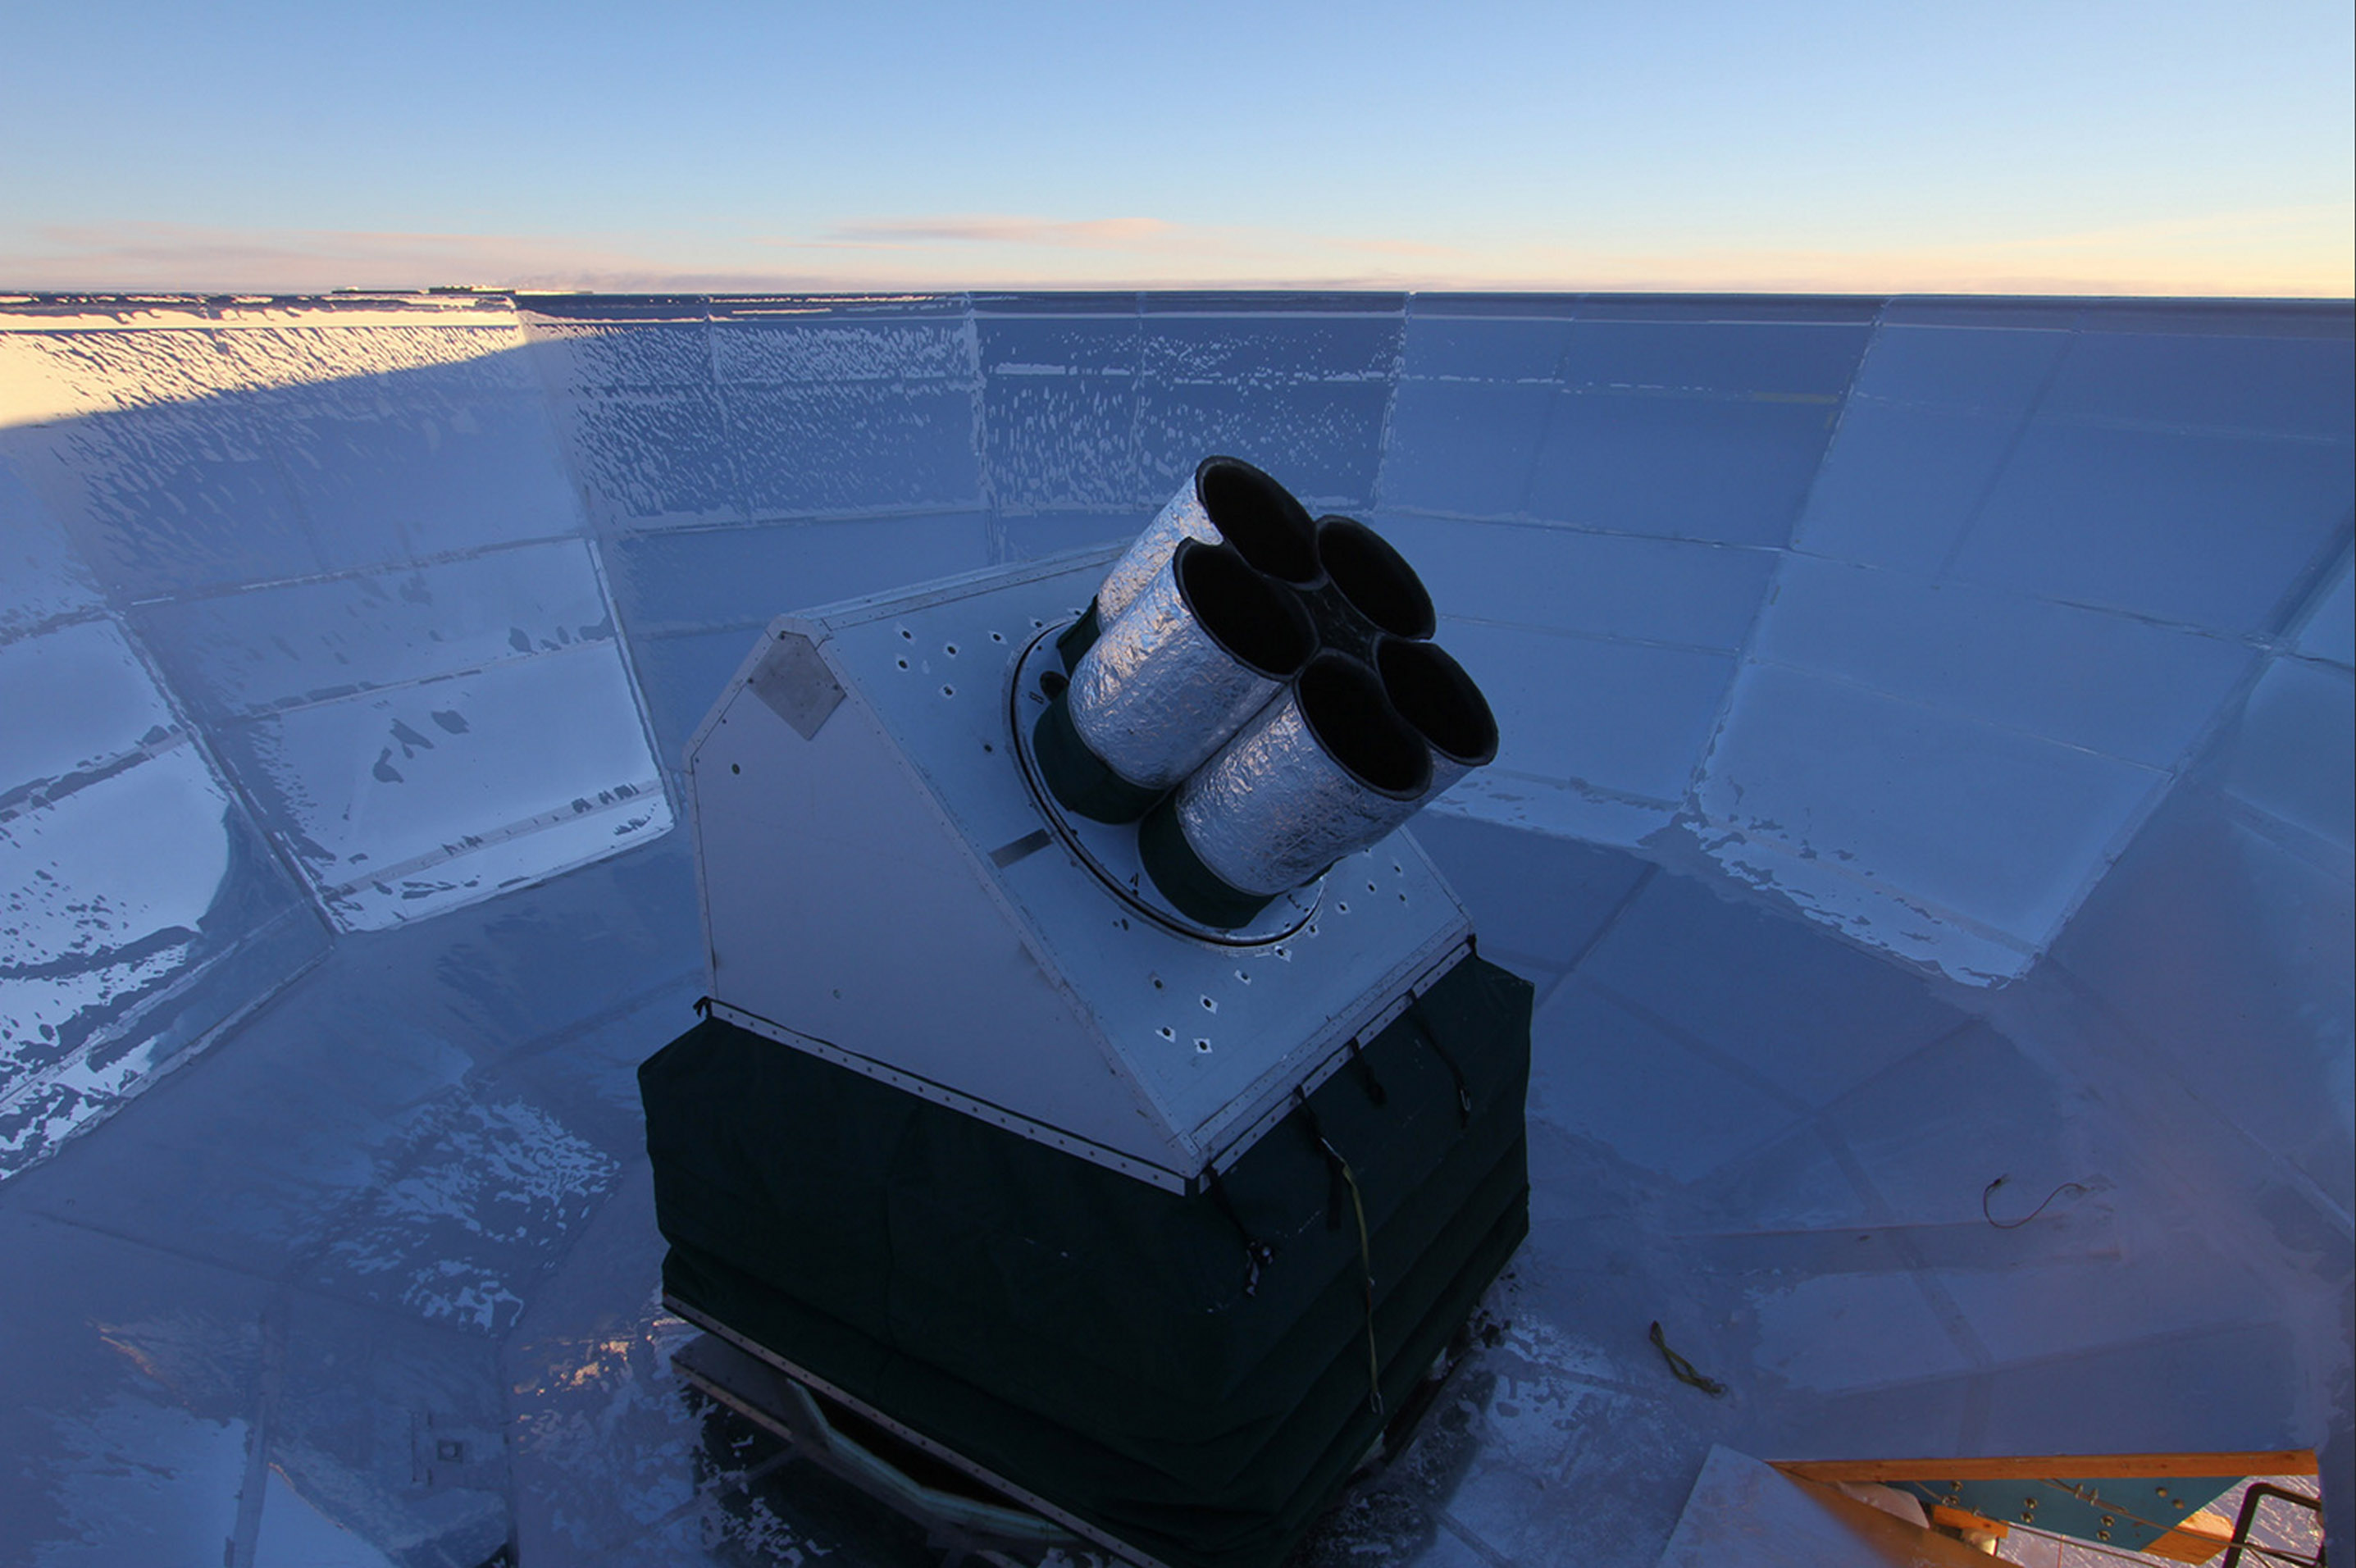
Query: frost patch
point(478, 1215)
point(134, 1482)
point(1866, 910)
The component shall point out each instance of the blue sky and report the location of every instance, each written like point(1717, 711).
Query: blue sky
point(2200, 148)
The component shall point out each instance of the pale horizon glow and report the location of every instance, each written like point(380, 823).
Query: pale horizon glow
point(2192, 149)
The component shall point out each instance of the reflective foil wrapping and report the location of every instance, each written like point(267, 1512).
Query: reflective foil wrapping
point(1445, 770)
point(1183, 518)
point(1155, 695)
point(1274, 809)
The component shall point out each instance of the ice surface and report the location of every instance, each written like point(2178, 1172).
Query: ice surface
point(2292, 758)
point(108, 886)
point(286, 646)
point(396, 804)
point(1598, 735)
point(1926, 760)
point(1603, 586)
point(1805, 768)
point(695, 598)
point(2077, 536)
point(2330, 629)
point(1744, 1511)
point(41, 579)
point(72, 702)
point(709, 415)
point(2108, 684)
point(130, 877)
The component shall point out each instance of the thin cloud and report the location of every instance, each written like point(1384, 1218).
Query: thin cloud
point(1239, 244)
point(1399, 248)
point(179, 256)
point(995, 229)
point(2267, 227)
point(2290, 251)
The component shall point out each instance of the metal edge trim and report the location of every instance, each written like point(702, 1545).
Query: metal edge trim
point(948, 1456)
point(820, 1445)
point(1237, 1138)
point(818, 620)
point(694, 814)
point(981, 1110)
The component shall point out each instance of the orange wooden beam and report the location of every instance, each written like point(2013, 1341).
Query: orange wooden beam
point(2104, 1466)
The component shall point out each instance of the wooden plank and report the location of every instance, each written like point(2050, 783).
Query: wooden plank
point(1740, 1511)
point(2035, 1466)
point(1963, 1518)
point(2196, 1540)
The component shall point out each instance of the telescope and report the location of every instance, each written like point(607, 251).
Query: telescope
point(1102, 1128)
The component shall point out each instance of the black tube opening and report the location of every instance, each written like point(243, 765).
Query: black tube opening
point(1374, 577)
point(1433, 694)
point(1252, 616)
point(1259, 518)
point(1344, 703)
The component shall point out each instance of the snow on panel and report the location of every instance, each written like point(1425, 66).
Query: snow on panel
point(400, 803)
point(41, 577)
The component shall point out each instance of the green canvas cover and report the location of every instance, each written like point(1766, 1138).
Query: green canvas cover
point(1106, 1344)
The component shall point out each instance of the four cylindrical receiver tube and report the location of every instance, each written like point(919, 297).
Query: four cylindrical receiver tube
point(1261, 691)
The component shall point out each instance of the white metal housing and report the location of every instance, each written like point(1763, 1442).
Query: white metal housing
point(882, 887)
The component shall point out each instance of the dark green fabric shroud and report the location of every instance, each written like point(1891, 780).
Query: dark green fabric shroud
point(1101, 1342)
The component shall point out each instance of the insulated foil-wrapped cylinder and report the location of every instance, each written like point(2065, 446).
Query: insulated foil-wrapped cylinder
point(1327, 768)
point(1226, 500)
point(1205, 644)
point(1441, 702)
point(1369, 589)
